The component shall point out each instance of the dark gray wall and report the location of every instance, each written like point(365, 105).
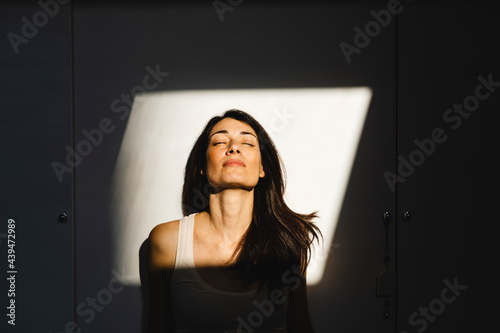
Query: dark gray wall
point(35, 128)
point(443, 49)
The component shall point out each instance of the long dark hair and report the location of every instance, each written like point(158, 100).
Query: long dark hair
point(278, 237)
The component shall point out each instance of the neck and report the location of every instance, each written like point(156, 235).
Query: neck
point(231, 213)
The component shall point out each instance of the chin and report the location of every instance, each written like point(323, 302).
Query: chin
point(234, 184)
point(234, 181)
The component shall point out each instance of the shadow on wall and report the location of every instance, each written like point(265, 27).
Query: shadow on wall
point(143, 274)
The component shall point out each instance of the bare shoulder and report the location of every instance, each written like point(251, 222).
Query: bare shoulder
point(163, 244)
point(164, 233)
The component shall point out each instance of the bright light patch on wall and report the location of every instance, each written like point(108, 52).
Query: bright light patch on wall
point(316, 131)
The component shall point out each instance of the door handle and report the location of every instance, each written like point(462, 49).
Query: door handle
point(63, 218)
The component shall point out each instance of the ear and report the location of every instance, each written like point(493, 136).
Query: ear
point(262, 173)
point(201, 172)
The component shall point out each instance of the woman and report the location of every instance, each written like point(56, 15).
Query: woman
point(236, 261)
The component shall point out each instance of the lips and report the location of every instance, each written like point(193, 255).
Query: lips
point(234, 163)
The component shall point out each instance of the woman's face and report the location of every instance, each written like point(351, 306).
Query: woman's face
point(233, 156)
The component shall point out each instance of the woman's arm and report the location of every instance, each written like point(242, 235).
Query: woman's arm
point(298, 319)
point(161, 261)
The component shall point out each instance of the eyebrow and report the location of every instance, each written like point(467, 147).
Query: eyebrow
point(225, 132)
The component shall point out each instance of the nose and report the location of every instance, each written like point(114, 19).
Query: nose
point(233, 148)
